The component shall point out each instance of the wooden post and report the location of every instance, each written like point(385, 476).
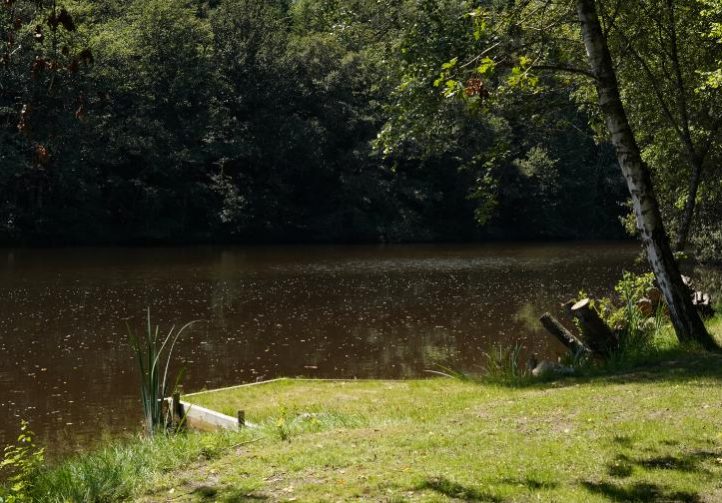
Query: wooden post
point(596, 333)
point(241, 418)
point(177, 414)
point(563, 335)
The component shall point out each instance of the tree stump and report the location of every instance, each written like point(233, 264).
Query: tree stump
point(702, 302)
point(596, 333)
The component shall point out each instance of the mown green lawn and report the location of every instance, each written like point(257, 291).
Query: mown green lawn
point(649, 434)
point(653, 435)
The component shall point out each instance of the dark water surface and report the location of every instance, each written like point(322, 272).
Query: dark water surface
point(331, 311)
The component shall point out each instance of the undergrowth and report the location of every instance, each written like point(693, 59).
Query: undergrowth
point(123, 468)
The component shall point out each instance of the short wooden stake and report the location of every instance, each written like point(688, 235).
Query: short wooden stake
point(241, 418)
point(177, 414)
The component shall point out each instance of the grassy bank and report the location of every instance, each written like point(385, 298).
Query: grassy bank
point(643, 434)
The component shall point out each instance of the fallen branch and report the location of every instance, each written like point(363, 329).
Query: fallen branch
point(563, 335)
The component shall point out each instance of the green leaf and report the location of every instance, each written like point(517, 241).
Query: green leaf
point(487, 66)
point(450, 64)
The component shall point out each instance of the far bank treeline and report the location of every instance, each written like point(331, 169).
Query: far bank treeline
point(268, 121)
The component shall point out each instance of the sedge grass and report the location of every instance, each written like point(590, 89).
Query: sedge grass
point(153, 354)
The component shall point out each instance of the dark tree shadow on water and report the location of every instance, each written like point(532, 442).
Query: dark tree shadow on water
point(640, 493)
point(453, 489)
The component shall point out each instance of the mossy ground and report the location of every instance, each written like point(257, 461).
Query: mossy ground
point(650, 434)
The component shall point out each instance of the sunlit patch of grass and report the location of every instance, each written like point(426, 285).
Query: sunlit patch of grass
point(447, 440)
point(714, 325)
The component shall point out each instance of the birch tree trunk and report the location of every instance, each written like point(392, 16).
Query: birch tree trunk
point(687, 323)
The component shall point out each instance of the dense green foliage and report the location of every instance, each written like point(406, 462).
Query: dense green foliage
point(271, 120)
point(666, 66)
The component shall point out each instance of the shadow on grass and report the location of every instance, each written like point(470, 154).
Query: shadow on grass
point(678, 365)
point(623, 441)
point(684, 463)
point(455, 490)
point(241, 497)
point(623, 465)
point(212, 493)
point(531, 483)
point(640, 492)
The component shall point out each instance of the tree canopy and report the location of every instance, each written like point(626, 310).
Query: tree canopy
point(346, 120)
point(314, 120)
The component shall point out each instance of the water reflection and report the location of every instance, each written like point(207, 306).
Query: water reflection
point(315, 311)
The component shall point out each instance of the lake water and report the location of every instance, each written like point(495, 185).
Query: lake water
point(326, 311)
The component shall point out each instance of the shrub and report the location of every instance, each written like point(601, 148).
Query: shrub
point(21, 461)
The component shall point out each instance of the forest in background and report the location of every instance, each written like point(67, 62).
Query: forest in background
point(298, 121)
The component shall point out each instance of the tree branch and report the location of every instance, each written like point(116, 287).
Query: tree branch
point(566, 69)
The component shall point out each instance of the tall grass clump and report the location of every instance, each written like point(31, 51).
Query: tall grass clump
point(504, 363)
point(125, 468)
point(153, 354)
point(445, 371)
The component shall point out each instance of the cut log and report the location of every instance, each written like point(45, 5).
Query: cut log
point(596, 333)
point(687, 281)
point(563, 335)
point(700, 299)
point(703, 303)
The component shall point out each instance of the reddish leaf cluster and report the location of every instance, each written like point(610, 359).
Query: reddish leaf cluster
point(42, 64)
point(475, 87)
point(42, 156)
